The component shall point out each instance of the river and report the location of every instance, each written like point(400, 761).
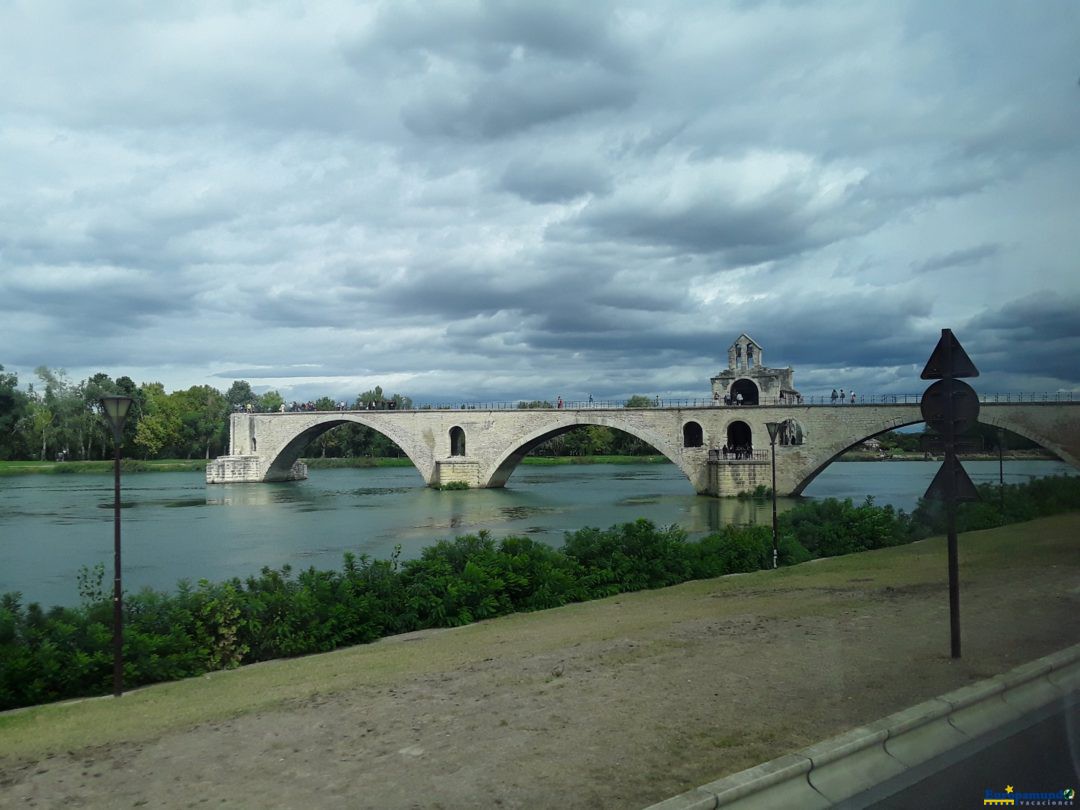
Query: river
point(176, 527)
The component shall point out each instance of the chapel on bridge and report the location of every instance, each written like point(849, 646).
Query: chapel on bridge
point(747, 375)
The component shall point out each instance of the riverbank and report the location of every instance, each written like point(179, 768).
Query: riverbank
point(614, 703)
point(1011, 455)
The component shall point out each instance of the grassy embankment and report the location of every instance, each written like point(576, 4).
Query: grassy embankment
point(820, 588)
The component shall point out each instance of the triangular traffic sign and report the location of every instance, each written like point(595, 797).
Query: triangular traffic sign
point(963, 489)
point(948, 360)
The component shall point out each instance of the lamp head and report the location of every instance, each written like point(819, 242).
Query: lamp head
point(773, 428)
point(116, 411)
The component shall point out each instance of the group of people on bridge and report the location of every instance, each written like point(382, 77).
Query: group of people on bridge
point(835, 397)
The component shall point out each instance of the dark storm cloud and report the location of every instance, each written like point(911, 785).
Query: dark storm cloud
point(723, 207)
point(553, 181)
point(1040, 331)
point(92, 299)
point(507, 105)
point(959, 258)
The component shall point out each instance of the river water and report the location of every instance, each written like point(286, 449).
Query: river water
point(176, 527)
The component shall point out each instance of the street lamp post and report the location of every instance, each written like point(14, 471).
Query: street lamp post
point(774, 428)
point(115, 410)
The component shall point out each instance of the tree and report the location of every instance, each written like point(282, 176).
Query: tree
point(638, 401)
point(203, 413)
point(14, 406)
point(41, 422)
point(240, 395)
point(270, 402)
point(535, 404)
point(160, 425)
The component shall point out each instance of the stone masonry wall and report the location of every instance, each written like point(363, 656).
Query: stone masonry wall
point(495, 440)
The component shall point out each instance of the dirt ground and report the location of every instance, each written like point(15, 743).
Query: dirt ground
point(612, 704)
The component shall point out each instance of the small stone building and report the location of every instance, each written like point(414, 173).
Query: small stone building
point(746, 374)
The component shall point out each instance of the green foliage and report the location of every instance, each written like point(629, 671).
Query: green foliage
point(629, 557)
point(831, 527)
point(759, 493)
point(638, 401)
point(535, 404)
point(67, 652)
point(1041, 496)
point(453, 485)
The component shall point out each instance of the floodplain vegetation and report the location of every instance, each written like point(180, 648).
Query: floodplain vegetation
point(64, 652)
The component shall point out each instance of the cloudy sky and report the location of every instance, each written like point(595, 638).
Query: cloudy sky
point(494, 200)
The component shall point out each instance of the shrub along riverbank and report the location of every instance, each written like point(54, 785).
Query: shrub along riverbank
point(67, 652)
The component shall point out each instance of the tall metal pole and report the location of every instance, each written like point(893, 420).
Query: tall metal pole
point(950, 515)
point(775, 544)
point(118, 612)
point(1001, 469)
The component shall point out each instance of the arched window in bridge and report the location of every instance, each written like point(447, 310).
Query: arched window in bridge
point(692, 435)
point(790, 433)
point(749, 355)
point(738, 355)
point(748, 389)
point(739, 436)
point(457, 441)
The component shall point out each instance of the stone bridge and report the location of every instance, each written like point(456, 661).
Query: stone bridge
point(482, 448)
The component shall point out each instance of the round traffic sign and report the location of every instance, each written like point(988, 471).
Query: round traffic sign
point(947, 401)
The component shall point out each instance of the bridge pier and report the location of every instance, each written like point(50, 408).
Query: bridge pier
point(457, 470)
point(729, 477)
point(249, 470)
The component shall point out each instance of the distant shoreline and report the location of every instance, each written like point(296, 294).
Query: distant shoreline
point(1010, 455)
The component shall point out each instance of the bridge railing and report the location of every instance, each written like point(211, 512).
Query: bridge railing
point(709, 402)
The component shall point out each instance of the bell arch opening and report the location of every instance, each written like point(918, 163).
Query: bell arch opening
point(747, 389)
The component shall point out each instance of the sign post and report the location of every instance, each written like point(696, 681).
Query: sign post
point(951, 407)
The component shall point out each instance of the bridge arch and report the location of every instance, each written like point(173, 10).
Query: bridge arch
point(509, 459)
point(306, 432)
point(1009, 420)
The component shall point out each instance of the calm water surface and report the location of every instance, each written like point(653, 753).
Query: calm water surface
point(176, 527)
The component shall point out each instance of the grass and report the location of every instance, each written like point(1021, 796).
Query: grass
point(819, 588)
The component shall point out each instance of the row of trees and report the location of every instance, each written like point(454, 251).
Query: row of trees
point(56, 418)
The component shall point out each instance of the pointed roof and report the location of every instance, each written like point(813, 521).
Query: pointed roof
point(748, 340)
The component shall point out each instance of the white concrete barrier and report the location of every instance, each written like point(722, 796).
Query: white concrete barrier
point(851, 763)
point(844, 766)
